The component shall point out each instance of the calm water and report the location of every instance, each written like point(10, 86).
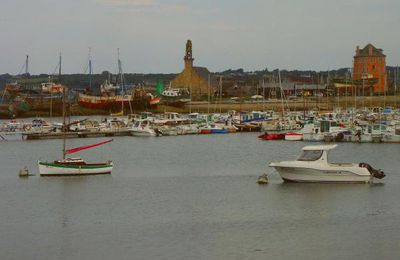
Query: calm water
point(195, 197)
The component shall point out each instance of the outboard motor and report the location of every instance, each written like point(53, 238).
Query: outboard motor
point(379, 174)
point(158, 132)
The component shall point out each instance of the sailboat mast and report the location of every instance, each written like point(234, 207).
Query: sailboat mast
point(121, 82)
point(208, 94)
point(220, 94)
point(64, 123)
point(263, 100)
point(395, 84)
point(64, 129)
point(281, 90)
point(120, 74)
point(327, 91)
point(27, 65)
point(59, 68)
point(90, 69)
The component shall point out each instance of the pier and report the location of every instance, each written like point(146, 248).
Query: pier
point(69, 135)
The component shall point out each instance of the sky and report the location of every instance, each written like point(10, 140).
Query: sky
point(151, 34)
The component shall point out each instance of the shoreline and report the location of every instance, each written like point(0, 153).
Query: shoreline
point(297, 104)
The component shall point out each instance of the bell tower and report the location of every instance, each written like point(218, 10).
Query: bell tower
point(188, 57)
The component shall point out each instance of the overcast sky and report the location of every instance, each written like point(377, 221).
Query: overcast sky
point(151, 34)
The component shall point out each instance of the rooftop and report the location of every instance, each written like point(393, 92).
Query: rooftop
point(369, 50)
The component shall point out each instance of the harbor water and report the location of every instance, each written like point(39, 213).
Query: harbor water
point(195, 197)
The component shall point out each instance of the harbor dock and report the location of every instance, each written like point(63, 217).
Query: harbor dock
point(69, 135)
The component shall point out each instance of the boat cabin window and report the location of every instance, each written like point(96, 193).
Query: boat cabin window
point(310, 155)
point(379, 127)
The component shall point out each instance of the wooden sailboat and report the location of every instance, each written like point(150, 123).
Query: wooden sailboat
point(73, 166)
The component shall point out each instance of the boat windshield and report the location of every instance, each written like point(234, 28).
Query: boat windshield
point(310, 155)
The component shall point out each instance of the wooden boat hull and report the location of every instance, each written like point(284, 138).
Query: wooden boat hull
point(115, 102)
point(94, 102)
point(175, 103)
point(55, 169)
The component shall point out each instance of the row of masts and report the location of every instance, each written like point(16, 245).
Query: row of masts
point(89, 69)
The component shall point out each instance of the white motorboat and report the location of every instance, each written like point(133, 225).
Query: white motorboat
point(313, 166)
point(293, 136)
point(143, 128)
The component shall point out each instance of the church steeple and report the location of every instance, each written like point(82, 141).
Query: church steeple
point(188, 57)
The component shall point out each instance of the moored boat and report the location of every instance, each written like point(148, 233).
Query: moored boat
point(176, 97)
point(143, 128)
point(313, 166)
point(293, 136)
point(73, 167)
point(272, 136)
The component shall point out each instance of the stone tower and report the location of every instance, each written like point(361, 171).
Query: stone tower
point(370, 63)
point(198, 80)
point(189, 55)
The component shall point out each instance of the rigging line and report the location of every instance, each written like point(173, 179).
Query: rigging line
point(55, 69)
point(22, 69)
point(86, 67)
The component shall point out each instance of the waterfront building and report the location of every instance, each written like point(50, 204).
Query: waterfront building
point(198, 80)
point(369, 70)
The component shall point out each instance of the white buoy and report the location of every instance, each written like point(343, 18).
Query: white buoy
point(24, 172)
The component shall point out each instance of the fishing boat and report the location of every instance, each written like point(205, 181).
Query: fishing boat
point(176, 97)
point(313, 166)
point(73, 166)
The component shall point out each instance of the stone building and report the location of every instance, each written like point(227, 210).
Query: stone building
point(198, 80)
point(370, 66)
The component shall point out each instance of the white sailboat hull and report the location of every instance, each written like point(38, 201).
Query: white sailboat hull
point(50, 169)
